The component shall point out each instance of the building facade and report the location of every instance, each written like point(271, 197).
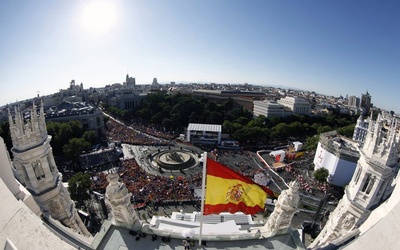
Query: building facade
point(224, 95)
point(204, 133)
point(361, 129)
point(124, 98)
point(90, 117)
point(369, 187)
point(130, 81)
point(298, 105)
point(353, 102)
point(339, 155)
point(268, 109)
point(36, 169)
point(365, 103)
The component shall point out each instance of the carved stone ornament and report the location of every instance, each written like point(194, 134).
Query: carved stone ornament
point(285, 208)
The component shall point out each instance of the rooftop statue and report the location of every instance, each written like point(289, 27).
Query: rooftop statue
point(119, 199)
point(285, 208)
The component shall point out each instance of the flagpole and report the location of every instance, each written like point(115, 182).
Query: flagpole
point(203, 190)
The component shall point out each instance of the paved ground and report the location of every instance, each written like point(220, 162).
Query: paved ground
point(140, 154)
point(120, 239)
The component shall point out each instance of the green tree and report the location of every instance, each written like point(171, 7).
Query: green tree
point(91, 137)
point(77, 128)
point(321, 174)
point(65, 133)
point(311, 143)
point(74, 148)
point(144, 113)
point(238, 112)
point(79, 187)
point(346, 131)
point(296, 129)
point(231, 127)
point(168, 123)
point(324, 129)
point(281, 130)
point(259, 121)
point(242, 120)
point(53, 130)
point(5, 134)
point(251, 135)
point(157, 118)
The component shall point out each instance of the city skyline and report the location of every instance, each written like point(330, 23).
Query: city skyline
point(330, 47)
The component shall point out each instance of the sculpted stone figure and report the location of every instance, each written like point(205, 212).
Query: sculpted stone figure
point(119, 199)
point(285, 208)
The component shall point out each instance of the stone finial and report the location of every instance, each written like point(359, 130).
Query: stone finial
point(120, 200)
point(285, 208)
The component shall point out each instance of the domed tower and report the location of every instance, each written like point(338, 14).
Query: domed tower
point(370, 184)
point(36, 168)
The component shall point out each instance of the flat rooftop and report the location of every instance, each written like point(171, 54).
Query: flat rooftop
point(119, 239)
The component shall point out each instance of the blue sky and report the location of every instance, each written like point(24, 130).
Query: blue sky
point(331, 47)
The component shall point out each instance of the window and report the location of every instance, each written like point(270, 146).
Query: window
point(38, 170)
point(50, 164)
point(370, 185)
point(25, 173)
point(367, 179)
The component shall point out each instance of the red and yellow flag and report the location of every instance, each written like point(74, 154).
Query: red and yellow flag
point(230, 191)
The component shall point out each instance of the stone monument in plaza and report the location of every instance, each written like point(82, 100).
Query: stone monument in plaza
point(120, 201)
point(285, 208)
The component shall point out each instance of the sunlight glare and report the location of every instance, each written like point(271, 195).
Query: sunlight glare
point(99, 16)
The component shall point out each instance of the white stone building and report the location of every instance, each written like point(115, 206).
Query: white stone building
point(370, 186)
point(339, 155)
point(298, 105)
point(16, 189)
point(90, 117)
point(361, 129)
point(366, 218)
point(125, 98)
point(36, 169)
point(268, 109)
point(353, 102)
point(198, 133)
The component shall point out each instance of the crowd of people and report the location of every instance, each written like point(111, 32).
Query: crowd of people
point(308, 185)
point(159, 189)
point(147, 188)
point(119, 132)
point(99, 157)
point(153, 130)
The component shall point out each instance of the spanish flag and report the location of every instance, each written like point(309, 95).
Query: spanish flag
point(230, 191)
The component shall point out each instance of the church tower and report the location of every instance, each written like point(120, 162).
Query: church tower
point(370, 185)
point(37, 170)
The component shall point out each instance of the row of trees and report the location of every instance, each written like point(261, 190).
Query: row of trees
point(262, 130)
point(79, 187)
point(5, 134)
point(70, 139)
point(173, 112)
